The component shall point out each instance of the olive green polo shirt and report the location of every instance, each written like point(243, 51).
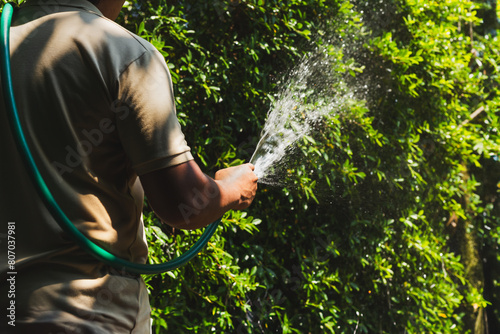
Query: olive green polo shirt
point(97, 106)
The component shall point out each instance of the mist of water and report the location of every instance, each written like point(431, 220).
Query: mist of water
point(310, 92)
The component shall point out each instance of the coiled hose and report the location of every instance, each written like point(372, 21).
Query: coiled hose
point(44, 192)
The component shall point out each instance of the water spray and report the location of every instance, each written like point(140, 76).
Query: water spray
point(310, 93)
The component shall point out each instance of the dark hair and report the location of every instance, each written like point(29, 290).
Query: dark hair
point(95, 2)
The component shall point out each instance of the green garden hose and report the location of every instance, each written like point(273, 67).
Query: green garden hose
point(44, 192)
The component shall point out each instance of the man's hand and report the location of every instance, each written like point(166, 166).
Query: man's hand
point(241, 182)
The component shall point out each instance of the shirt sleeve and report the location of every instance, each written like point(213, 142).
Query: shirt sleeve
point(146, 117)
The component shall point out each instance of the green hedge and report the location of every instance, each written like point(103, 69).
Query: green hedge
point(385, 218)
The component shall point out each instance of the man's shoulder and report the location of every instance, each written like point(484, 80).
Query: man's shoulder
point(111, 45)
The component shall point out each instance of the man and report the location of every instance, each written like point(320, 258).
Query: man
point(97, 107)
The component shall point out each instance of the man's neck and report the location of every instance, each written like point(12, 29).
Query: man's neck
point(109, 8)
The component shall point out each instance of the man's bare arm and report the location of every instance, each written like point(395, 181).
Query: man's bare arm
point(184, 197)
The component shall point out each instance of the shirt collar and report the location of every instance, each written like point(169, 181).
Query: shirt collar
point(52, 6)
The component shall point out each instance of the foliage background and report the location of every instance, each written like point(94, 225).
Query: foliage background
point(396, 229)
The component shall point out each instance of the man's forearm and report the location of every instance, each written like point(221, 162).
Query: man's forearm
point(184, 197)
